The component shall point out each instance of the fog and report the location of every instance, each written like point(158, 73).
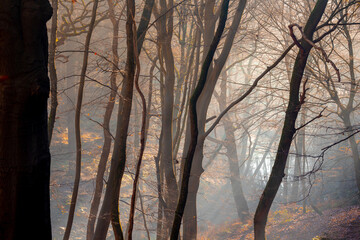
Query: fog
point(233, 162)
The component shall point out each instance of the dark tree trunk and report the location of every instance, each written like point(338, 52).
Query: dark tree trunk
point(106, 125)
point(109, 209)
point(194, 123)
point(277, 172)
point(144, 23)
point(165, 32)
point(24, 147)
point(190, 213)
point(188, 227)
point(110, 205)
point(70, 114)
point(52, 70)
point(77, 124)
point(142, 143)
point(203, 104)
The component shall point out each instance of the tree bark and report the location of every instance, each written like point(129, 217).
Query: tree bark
point(277, 172)
point(165, 32)
point(52, 70)
point(106, 125)
point(77, 124)
point(24, 146)
point(70, 114)
point(142, 139)
point(109, 209)
point(194, 122)
point(190, 226)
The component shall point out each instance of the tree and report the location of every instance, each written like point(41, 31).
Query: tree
point(165, 34)
point(24, 147)
point(110, 209)
point(231, 153)
point(344, 111)
point(106, 123)
point(289, 130)
point(52, 69)
point(194, 122)
point(110, 206)
point(77, 123)
point(190, 224)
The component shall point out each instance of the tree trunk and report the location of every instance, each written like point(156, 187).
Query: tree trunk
point(231, 153)
point(106, 125)
point(253, 147)
point(297, 161)
point(52, 70)
point(354, 147)
point(110, 205)
point(203, 104)
point(77, 124)
point(194, 123)
point(142, 140)
point(190, 213)
point(277, 172)
point(165, 32)
point(304, 163)
point(70, 115)
point(109, 209)
point(349, 108)
point(24, 146)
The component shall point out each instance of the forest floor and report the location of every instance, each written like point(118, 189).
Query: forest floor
point(292, 224)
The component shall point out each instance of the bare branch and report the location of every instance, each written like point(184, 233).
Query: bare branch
point(252, 87)
point(316, 47)
point(318, 116)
